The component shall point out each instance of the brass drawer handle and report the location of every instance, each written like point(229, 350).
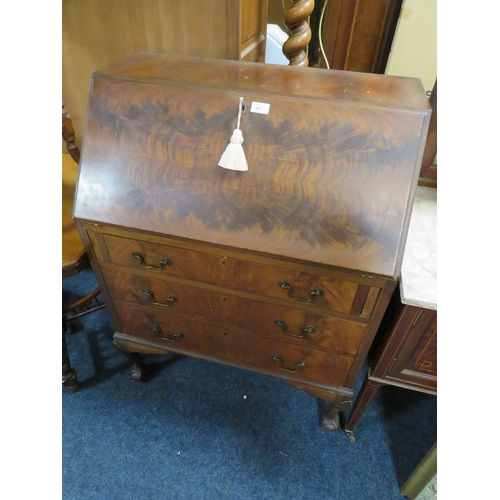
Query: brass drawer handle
point(175, 338)
point(313, 293)
point(298, 366)
point(150, 295)
point(305, 331)
point(163, 262)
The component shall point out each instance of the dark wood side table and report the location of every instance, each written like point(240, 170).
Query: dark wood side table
point(404, 352)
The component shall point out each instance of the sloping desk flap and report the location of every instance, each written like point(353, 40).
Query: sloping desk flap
point(333, 165)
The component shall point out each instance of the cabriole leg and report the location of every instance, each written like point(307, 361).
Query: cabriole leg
point(138, 372)
point(330, 418)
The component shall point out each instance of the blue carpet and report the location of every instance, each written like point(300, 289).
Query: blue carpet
point(200, 430)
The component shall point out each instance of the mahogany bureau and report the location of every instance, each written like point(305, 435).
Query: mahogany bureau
point(286, 268)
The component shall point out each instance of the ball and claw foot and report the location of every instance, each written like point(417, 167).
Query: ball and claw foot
point(70, 381)
point(330, 422)
point(138, 373)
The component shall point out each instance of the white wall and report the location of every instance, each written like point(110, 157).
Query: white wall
point(414, 50)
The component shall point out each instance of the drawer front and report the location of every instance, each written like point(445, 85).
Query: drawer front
point(173, 331)
point(180, 334)
point(295, 326)
point(256, 317)
point(166, 296)
point(182, 263)
point(293, 286)
point(289, 360)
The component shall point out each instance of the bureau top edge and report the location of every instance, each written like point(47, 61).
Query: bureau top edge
point(384, 91)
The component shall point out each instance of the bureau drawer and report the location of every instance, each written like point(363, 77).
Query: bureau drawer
point(181, 334)
point(167, 296)
point(286, 324)
point(292, 285)
point(289, 360)
point(257, 317)
point(164, 260)
point(173, 331)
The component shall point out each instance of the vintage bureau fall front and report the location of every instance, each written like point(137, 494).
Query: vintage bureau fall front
point(286, 268)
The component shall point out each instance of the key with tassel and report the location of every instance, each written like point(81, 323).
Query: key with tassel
point(233, 157)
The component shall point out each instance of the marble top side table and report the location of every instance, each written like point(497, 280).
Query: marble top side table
point(404, 352)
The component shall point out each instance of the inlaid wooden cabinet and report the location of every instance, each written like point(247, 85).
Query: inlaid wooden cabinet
point(285, 269)
point(404, 354)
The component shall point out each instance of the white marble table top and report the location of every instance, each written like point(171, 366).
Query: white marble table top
point(419, 269)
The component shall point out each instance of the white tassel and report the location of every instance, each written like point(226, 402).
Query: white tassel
point(233, 157)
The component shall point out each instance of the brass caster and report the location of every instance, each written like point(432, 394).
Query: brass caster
point(350, 435)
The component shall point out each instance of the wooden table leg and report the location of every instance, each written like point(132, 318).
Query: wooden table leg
point(366, 394)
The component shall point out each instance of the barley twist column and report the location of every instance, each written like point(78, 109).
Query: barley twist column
point(300, 33)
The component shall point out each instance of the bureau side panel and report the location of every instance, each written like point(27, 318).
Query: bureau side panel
point(371, 330)
point(95, 251)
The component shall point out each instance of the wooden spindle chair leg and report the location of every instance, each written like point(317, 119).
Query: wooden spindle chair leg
point(68, 134)
point(69, 379)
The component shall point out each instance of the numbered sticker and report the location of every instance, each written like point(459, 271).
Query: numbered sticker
point(260, 107)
